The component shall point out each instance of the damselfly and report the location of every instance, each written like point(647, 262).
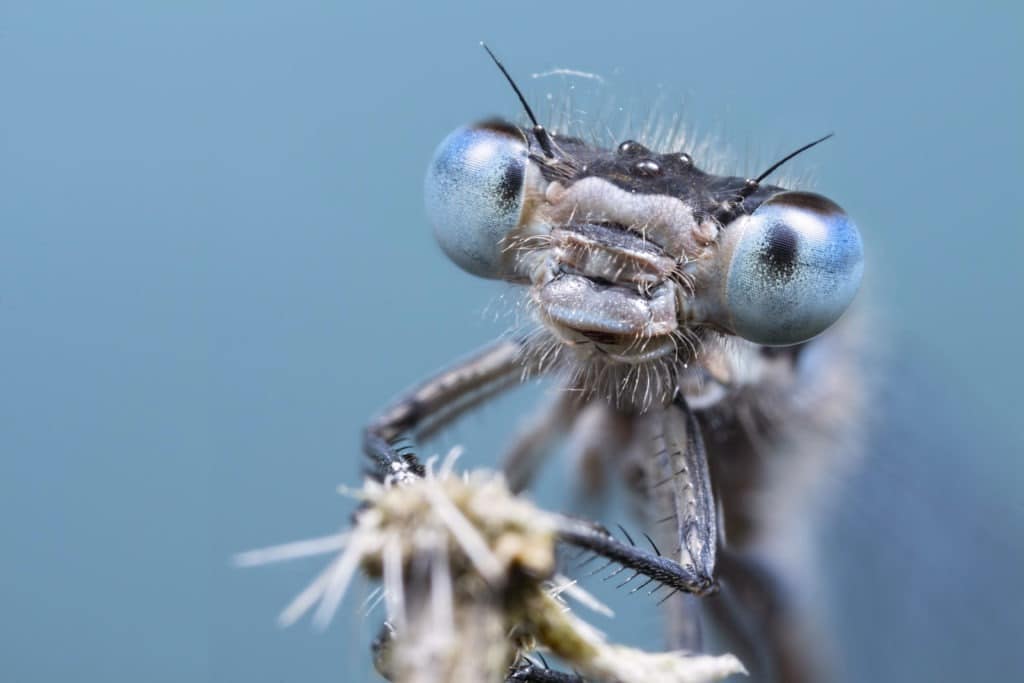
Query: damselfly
point(687, 317)
point(690, 322)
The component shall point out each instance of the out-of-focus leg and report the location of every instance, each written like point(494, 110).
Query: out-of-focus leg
point(539, 437)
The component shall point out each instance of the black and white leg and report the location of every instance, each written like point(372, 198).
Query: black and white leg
point(436, 402)
point(678, 495)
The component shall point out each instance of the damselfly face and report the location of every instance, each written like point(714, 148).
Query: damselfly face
point(636, 256)
point(662, 289)
point(639, 258)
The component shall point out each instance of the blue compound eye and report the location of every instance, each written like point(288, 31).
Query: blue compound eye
point(796, 266)
point(474, 194)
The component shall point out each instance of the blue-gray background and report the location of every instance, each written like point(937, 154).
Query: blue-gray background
point(214, 265)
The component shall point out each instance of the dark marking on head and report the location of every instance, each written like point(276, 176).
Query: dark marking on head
point(810, 201)
point(781, 246)
point(511, 184)
point(636, 169)
point(503, 127)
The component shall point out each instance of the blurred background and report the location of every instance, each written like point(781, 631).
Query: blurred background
point(214, 265)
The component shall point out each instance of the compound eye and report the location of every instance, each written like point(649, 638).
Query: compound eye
point(474, 194)
point(796, 266)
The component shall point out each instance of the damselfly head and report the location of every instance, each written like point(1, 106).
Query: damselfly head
point(630, 251)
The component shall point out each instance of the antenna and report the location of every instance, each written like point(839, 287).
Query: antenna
point(538, 130)
point(728, 208)
point(780, 162)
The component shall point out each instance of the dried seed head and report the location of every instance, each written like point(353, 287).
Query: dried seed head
point(468, 573)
